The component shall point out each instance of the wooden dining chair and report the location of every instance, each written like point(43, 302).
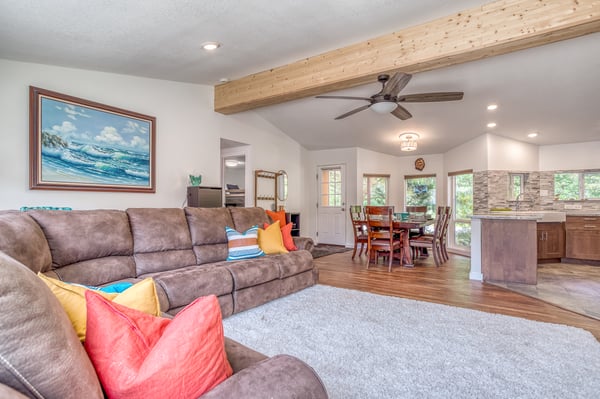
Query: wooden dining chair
point(359, 228)
point(431, 242)
point(382, 238)
point(444, 235)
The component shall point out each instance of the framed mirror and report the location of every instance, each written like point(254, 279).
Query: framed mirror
point(282, 185)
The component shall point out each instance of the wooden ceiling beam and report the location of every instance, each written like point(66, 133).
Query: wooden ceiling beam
point(496, 28)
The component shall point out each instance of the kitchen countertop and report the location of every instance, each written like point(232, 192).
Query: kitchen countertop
point(583, 213)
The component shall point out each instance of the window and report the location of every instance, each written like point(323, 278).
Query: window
point(461, 197)
point(375, 189)
point(420, 190)
point(569, 186)
point(515, 185)
point(331, 187)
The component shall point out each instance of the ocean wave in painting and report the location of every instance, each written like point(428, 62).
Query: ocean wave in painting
point(90, 163)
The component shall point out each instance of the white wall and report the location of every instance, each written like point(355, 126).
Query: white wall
point(188, 134)
point(471, 155)
point(508, 154)
point(570, 156)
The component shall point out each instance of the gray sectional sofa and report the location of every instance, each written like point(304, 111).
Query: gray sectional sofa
point(184, 251)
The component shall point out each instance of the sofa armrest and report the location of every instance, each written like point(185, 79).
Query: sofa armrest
point(306, 243)
point(240, 356)
point(281, 377)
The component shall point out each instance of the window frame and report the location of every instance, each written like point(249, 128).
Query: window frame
point(430, 212)
point(581, 177)
point(366, 188)
point(452, 200)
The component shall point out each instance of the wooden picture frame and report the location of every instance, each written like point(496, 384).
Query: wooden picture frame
point(76, 144)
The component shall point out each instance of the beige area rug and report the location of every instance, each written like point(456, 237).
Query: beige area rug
point(568, 286)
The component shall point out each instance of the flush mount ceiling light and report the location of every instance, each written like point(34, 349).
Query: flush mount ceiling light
point(492, 107)
point(231, 163)
point(532, 134)
point(408, 141)
point(384, 107)
point(210, 46)
point(491, 124)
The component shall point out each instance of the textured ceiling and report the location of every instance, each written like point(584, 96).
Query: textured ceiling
point(552, 89)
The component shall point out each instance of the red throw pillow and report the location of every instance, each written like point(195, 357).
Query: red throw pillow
point(275, 216)
point(286, 234)
point(137, 355)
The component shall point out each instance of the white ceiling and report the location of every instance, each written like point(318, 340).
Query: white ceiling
point(552, 89)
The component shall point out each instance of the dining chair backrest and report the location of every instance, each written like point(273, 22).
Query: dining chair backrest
point(447, 217)
point(416, 209)
point(380, 217)
point(440, 220)
point(356, 212)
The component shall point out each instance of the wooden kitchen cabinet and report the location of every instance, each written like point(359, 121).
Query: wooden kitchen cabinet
point(550, 241)
point(583, 237)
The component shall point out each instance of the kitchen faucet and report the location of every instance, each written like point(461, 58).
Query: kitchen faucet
point(518, 199)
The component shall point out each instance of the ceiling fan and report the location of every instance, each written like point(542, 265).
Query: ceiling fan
point(388, 99)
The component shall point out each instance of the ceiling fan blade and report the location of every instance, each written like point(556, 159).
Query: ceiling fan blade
point(401, 113)
point(346, 98)
point(396, 83)
point(431, 97)
point(355, 110)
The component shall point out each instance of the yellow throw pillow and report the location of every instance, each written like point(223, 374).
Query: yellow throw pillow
point(141, 296)
point(271, 241)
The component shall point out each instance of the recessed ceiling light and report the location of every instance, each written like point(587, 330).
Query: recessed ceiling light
point(210, 46)
point(532, 134)
point(491, 124)
point(492, 107)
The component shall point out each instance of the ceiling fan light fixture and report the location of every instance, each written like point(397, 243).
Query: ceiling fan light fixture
point(384, 107)
point(408, 141)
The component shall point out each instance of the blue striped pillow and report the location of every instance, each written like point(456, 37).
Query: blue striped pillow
point(243, 245)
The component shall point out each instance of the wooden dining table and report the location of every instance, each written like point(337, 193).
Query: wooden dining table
point(407, 225)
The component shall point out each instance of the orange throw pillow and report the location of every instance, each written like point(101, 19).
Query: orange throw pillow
point(286, 234)
point(137, 355)
point(275, 216)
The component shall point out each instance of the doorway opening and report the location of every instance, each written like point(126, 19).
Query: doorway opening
point(236, 173)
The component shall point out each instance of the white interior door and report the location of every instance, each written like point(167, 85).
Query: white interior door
point(331, 226)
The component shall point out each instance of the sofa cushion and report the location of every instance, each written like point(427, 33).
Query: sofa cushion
point(207, 228)
point(243, 245)
point(161, 239)
point(286, 236)
point(184, 285)
point(90, 247)
point(23, 239)
point(40, 355)
point(244, 218)
point(294, 263)
point(141, 296)
point(251, 272)
point(82, 235)
point(157, 357)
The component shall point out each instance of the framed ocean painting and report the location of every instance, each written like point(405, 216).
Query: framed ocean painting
point(77, 144)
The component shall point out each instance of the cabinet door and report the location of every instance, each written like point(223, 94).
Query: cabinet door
point(582, 244)
point(551, 240)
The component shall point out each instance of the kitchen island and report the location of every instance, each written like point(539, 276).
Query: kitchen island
point(504, 245)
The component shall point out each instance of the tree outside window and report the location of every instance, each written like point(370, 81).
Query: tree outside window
point(576, 186)
point(375, 189)
point(421, 190)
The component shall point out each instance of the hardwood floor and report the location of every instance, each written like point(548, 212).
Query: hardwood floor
point(449, 284)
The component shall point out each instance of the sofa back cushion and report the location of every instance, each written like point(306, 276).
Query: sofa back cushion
point(207, 228)
point(90, 247)
point(161, 239)
point(244, 218)
point(39, 350)
point(23, 239)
